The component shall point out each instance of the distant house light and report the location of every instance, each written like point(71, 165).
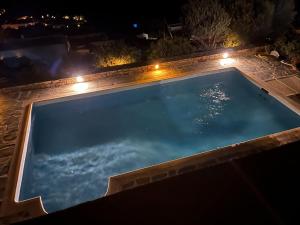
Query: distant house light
point(2, 11)
point(23, 18)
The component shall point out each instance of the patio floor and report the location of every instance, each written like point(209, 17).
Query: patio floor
point(275, 77)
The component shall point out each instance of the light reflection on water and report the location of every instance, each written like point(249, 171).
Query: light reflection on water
point(68, 179)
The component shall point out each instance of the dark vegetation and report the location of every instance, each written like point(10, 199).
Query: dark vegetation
point(212, 24)
point(205, 25)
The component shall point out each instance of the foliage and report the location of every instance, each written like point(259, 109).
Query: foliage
point(207, 22)
point(2, 35)
point(287, 47)
point(284, 16)
point(232, 40)
point(170, 47)
point(115, 54)
point(24, 70)
point(257, 20)
point(263, 23)
point(241, 13)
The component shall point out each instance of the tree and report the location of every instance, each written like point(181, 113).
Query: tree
point(170, 47)
point(257, 20)
point(207, 22)
point(283, 17)
point(263, 20)
point(2, 35)
point(242, 16)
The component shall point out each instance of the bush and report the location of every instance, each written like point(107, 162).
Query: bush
point(115, 54)
point(170, 47)
point(232, 40)
point(289, 47)
point(23, 70)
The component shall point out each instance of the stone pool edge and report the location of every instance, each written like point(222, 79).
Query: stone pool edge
point(202, 160)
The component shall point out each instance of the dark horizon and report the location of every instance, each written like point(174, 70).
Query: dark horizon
point(104, 16)
point(125, 9)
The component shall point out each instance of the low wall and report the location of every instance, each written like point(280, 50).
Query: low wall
point(176, 167)
point(177, 62)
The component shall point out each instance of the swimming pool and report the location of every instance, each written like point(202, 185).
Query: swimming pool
point(75, 145)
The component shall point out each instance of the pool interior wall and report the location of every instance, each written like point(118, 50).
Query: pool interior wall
point(76, 145)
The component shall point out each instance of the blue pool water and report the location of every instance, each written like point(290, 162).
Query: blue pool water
point(76, 145)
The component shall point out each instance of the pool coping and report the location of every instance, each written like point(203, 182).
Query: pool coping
point(199, 161)
point(36, 205)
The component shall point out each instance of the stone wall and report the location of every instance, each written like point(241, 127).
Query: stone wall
point(176, 167)
point(178, 62)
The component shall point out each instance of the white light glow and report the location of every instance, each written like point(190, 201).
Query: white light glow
point(156, 66)
point(80, 87)
point(227, 62)
point(225, 55)
point(79, 79)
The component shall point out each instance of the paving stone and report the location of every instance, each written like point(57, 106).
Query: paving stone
point(6, 150)
point(4, 165)
point(281, 88)
point(10, 135)
point(293, 82)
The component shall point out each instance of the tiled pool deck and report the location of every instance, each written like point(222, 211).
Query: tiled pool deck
point(280, 80)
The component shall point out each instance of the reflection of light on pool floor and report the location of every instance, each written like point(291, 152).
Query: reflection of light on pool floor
point(83, 174)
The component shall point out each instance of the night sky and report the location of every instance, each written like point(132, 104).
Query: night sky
point(100, 6)
point(103, 13)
